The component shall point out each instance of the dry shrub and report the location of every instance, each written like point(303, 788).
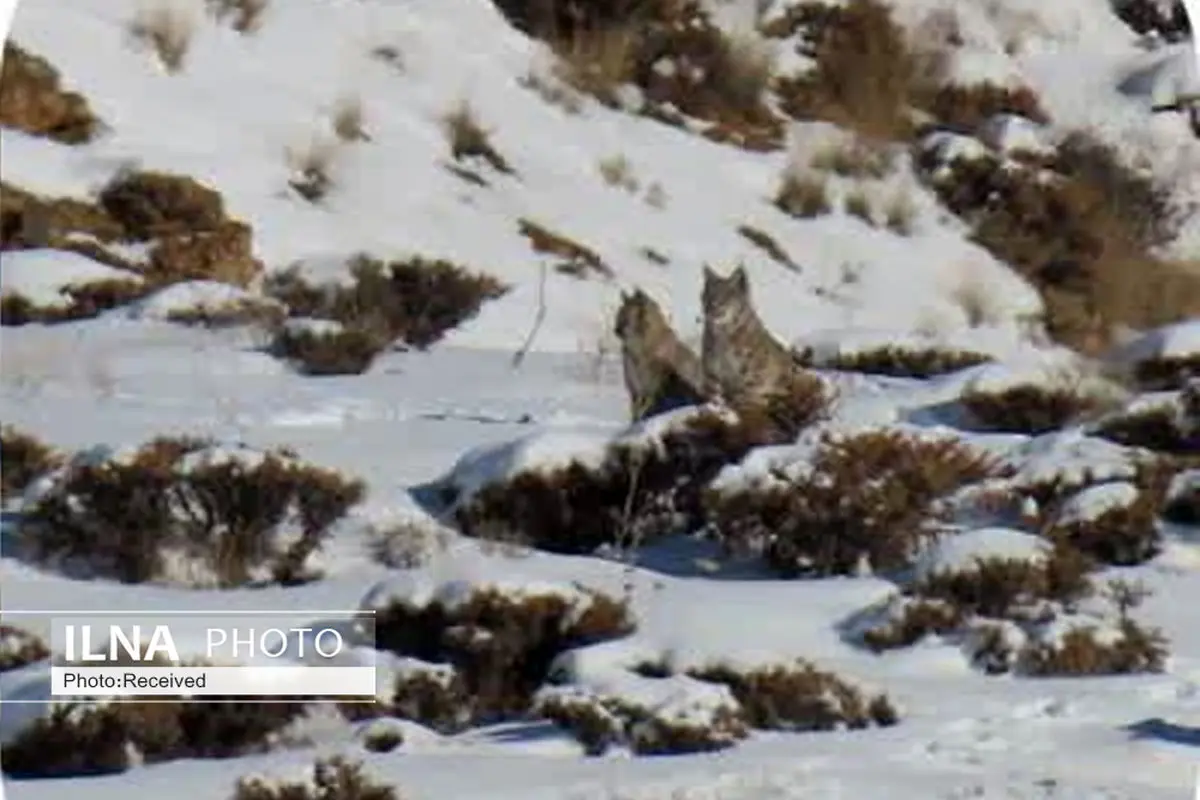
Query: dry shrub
point(1085, 651)
point(640, 491)
point(857, 203)
point(899, 361)
point(29, 221)
point(599, 722)
point(153, 204)
point(22, 459)
point(802, 196)
point(768, 244)
point(856, 158)
point(866, 77)
point(577, 260)
point(868, 497)
point(501, 647)
point(167, 29)
point(1182, 502)
point(33, 100)
point(1167, 19)
point(233, 313)
point(1031, 408)
point(1122, 534)
point(334, 778)
point(1085, 237)
point(312, 168)
point(1022, 591)
point(469, 139)
point(19, 648)
point(800, 697)
point(245, 16)
point(1166, 372)
point(327, 349)
point(414, 301)
point(90, 738)
point(1171, 428)
point(407, 543)
point(966, 107)
point(239, 517)
point(349, 120)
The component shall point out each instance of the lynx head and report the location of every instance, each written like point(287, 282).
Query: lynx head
point(724, 296)
point(638, 315)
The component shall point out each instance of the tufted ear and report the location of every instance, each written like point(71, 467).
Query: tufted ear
point(741, 278)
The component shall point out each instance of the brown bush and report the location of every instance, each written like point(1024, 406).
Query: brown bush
point(577, 259)
point(469, 139)
point(414, 301)
point(33, 100)
point(225, 254)
point(600, 722)
point(800, 697)
point(802, 196)
point(905, 362)
point(153, 204)
point(233, 313)
point(1028, 408)
point(245, 16)
point(19, 648)
point(501, 647)
point(1120, 535)
point(31, 221)
point(333, 778)
point(340, 351)
point(768, 244)
point(1083, 651)
point(127, 517)
point(22, 459)
point(867, 78)
point(966, 107)
point(639, 493)
point(868, 496)
point(88, 738)
point(1085, 237)
point(82, 301)
point(1171, 428)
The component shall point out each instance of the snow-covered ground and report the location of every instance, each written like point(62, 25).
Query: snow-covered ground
point(464, 410)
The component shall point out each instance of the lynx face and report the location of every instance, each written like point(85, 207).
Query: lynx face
point(722, 298)
point(637, 316)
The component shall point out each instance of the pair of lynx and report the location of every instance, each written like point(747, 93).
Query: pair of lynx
point(741, 364)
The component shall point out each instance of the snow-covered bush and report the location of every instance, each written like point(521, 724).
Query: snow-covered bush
point(865, 498)
point(487, 649)
point(188, 511)
point(1182, 503)
point(334, 778)
point(19, 648)
point(799, 697)
point(22, 459)
point(1129, 647)
point(325, 347)
point(1114, 523)
point(646, 483)
point(901, 361)
point(1166, 424)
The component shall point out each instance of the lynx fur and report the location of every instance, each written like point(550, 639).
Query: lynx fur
point(661, 372)
point(748, 367)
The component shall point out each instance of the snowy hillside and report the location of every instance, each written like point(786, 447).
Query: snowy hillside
point(377, 247)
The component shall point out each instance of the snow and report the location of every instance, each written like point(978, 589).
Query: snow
point(42, 276)
point(1096, 501)
point(462, 416)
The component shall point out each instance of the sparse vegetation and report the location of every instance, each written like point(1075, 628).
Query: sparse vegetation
point(349, 120)
point(33, 100)
point(167, 30)
point(855, 158)
point(803, 196)
point(312, 168)
point(22, 459)
point(1171, 427)
point(469, 139)
point(322, 347)
point(768, 244)
point(868, 498)
point(1112, 523)
point(1085, 234)
point(187, 511)
point(244, 16)
point(577, 259)
point(858, 204)
point(967, 107)
point(900, 361)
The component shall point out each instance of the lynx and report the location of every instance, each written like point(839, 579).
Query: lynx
point(747, 367)
point(661, 373)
